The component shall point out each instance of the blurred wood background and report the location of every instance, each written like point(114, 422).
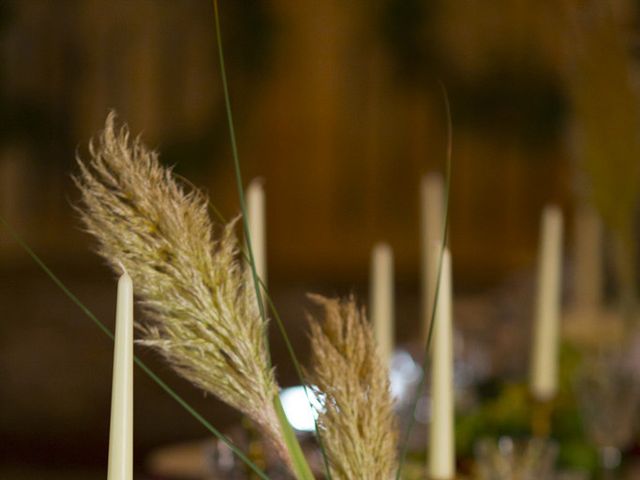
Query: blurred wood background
point(337, 107)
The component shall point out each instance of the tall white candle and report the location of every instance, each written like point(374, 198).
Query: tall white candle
point(257, 226)
point(121, 430)
point(441, 429)
point(544, 363)
point(431, 221)
point(382, 299)
point(587, 260)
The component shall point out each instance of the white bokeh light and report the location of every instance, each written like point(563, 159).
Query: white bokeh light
point(296, 407)
point(403, 374)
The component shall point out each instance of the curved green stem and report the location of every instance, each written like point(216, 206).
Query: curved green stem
point(445, 236)
point(300, 465)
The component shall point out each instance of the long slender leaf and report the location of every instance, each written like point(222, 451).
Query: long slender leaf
point(291, 351)
point(300, 464)
point(445, 236)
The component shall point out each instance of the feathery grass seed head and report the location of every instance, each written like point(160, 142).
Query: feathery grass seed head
point(357, 425)
point(202, 312)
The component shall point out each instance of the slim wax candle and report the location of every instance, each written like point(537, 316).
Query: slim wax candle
point(257, 226)
point(257, 229)
point(431, 222)
point(382, 301)
point(121, 429)
point(544, 364)
point(588, 260)
point(441, 433)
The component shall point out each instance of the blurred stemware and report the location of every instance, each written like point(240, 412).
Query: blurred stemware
point(515, 459)
point(608, 393)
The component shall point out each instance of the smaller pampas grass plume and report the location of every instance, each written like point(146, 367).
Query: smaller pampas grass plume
point(202, 310)
point(357, 423)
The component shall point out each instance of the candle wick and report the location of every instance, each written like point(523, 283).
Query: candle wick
point(258, 181)
point(124, 270)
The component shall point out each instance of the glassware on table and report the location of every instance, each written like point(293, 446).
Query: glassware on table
point(572, 475)
point(515, 459)
point(608, 392)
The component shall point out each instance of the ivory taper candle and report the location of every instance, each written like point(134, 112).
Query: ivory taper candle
point(381, 299)
point(587, 260)
point(431, 221)
point(121, 429)
point(257, 226)
point(544, 362)
point(441, 433)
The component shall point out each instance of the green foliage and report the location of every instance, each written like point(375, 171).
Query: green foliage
point(506, 409)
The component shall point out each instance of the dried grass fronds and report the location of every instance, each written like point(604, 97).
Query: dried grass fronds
point(203, 313)
point(357, 425)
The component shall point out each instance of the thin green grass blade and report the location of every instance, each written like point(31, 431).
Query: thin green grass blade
point(236, 160)
point(290, 349)
point(172, 393)
point(445, 236)
point(301, 466)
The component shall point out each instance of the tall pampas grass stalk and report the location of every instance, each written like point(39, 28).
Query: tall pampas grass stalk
point(298, 462)
point(357, 424)
point(203, 314)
